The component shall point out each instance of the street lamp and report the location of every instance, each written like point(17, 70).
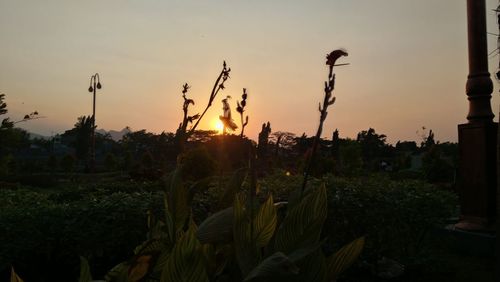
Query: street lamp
point(94, 85)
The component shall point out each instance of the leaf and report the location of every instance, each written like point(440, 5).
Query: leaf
point(265, 223)
point(299, 254)
point(186, 262)
point(344, 257)
point(160, 264)
point(312, 268)
point(178, 204)
point(303, 222)
point(149, 246)
point(217, 228)
point(232, 187)
point(119, 273)
point(140, 268)
point(247, 254)
point(85, 275)
point(277, 264)
point(14, 277)
point(169, 222)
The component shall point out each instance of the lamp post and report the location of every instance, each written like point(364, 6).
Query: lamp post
point(94, 85)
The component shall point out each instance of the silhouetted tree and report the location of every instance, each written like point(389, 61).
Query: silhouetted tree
point(406, 146)
point(79, 137)
point(263, 139)
point(283, 141)
point(6, 123)
point(428, 141)
point(335, 144)
point(372, 146)
point(351, 157)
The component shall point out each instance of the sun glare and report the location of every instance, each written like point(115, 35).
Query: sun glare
point(217, 124)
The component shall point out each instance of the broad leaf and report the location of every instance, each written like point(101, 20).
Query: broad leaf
point(247, 254)
point(186, 262)
point(169, 221)
point(232, 187)
point(217, 228)
point(277, 264)
point(119, 273)
point(140, 268)
point(303, 222)
point(344, 257)
point(178, 200)
point(265, 223)
point(85, 275)
point(149, 246)
point(312, 267)
point(160, 264)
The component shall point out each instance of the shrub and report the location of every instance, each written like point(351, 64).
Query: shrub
point(395, 215)
point(43, 237)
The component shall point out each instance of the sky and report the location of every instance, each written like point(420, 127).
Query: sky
point(408, 63)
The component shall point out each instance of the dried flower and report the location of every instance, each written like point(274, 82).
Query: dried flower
point(334, 55)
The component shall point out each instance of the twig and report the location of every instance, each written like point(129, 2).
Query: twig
point(224, 75)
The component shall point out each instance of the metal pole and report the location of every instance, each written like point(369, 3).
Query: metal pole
point(92, 150)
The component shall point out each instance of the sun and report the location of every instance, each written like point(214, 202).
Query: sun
point(217, 124)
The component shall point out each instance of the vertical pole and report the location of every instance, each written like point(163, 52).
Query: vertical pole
point(479, 85)
point(477, 138)
point(92, 150)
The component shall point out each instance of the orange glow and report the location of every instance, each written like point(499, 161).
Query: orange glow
point(217, 124)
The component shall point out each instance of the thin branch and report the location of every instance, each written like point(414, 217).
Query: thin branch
point(224, 75)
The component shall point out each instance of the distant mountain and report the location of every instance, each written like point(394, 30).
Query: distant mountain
point(115, 135)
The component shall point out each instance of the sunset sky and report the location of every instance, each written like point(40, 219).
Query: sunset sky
point(408, 62)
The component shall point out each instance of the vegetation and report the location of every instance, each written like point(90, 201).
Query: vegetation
point(197, 206)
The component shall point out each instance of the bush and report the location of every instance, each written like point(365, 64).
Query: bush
point(396, 216)
point(42, 237)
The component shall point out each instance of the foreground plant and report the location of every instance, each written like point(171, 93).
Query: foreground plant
point(183, 133)
point(245, 241)
point(241, 109)
point(328, 100)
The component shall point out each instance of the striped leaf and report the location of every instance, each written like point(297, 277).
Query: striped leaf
point(247, 254)
point(217, 228)
point(344, 257)
point(186, 262)
point(303, 222)
point(265, 223)
point(178, 201)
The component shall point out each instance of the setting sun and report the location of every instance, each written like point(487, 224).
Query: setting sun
point(218, 125)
